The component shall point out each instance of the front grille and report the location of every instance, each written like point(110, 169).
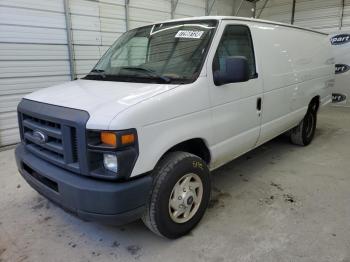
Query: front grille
point(55, 134)
point(53, 146)
point(74, 145)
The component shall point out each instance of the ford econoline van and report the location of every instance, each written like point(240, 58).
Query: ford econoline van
point(167, 103)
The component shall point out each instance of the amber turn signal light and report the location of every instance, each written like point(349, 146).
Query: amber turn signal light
point(109, 138)
point(128, 139)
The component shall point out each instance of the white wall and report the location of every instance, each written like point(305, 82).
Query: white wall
point(33, 55)
point(323, 15)
point(95, 26)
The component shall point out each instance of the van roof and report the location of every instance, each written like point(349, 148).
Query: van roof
point(238, 18)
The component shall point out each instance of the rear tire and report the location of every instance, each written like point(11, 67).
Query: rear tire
point(304, 133)
point(180, 195)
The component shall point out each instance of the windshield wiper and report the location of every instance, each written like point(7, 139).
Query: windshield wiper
point(149, 71)
point(97, 72)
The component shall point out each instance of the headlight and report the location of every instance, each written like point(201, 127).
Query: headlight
point(112, 154)
point(110, 162)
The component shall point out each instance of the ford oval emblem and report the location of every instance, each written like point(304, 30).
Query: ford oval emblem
point(340, 39)
point(337, 98)
point(341, 68)
point(39, 136)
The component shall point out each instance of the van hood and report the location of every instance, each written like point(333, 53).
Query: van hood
point(103, 100)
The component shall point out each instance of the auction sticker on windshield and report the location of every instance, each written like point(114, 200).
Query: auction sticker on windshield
point(189, 34)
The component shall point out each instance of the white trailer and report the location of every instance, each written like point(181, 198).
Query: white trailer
point(167, 103)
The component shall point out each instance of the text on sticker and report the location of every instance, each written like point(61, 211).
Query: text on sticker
point(189, 34)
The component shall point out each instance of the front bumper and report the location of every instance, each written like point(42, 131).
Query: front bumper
point(90, 199)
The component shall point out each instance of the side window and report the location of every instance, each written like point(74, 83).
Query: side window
point(235, 41)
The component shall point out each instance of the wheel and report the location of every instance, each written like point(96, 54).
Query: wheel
point(180, 195)
point(303, 133)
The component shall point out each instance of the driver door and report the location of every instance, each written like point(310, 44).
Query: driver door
point(236, 107)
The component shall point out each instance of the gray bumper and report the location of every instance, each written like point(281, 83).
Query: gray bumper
point(90, 199)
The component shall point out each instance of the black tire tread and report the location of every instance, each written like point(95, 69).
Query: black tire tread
point(296, 134)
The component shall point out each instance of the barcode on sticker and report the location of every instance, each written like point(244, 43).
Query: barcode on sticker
point(189, 34)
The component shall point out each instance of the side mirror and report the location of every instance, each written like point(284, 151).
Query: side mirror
point(237, 70)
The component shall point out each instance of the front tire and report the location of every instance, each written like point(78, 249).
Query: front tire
point(180, 195)
point(304, 133)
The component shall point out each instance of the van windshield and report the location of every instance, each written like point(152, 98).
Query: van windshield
point(162, 53)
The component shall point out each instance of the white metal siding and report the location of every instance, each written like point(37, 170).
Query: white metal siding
point(346, 18)
point(190, 8)
point(275, 10)
point(96, 25)
point(323, 15)
point(228, 7)
point(33, 55)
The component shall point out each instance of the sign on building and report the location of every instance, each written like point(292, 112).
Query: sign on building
point(341, 49)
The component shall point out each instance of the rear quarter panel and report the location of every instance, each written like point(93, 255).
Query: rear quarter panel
point(296, 65)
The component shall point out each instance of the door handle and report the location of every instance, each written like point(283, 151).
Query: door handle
point(258, 104)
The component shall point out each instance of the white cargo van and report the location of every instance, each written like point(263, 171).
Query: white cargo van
point(166, 104)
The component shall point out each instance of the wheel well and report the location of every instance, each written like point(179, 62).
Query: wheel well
point(315, 100)
point(194, 146)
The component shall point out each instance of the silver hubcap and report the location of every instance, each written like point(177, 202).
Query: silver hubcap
point(185, 198)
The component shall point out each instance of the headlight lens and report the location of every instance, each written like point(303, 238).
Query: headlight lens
point(110, 162)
